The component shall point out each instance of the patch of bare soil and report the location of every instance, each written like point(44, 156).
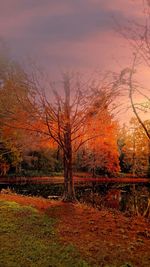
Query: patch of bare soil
point(104, 238)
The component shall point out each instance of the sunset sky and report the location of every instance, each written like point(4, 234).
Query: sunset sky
point(78, 35)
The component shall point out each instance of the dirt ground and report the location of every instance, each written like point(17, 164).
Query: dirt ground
point(104, 238)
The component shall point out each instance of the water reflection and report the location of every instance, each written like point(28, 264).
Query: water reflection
point(133, 200)
point(129, 198)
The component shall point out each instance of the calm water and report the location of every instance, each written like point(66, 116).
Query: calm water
point(127, 197)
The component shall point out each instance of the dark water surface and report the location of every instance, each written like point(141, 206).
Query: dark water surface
point(127, 194)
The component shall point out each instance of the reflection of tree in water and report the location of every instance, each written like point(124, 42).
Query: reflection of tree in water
point(138, 201)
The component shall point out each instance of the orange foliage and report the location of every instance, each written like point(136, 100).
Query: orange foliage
point(101, 150)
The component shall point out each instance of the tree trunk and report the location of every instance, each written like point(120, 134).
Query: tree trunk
point(69, 192)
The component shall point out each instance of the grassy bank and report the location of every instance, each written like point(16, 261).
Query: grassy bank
point(28, 238)
point(39, 232)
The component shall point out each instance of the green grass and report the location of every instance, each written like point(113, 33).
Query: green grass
point(28, 239)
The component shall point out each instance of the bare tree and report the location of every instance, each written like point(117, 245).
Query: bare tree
point(66, 117)
point(60, 113)
point(127, 78)
point(138, 36)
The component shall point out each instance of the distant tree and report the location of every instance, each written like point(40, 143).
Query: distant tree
point(125, 163)
point(10, 156)
point(43, 160)
point(101, 153)
point(15, 111)
point(134, 147)
point(141, 152)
